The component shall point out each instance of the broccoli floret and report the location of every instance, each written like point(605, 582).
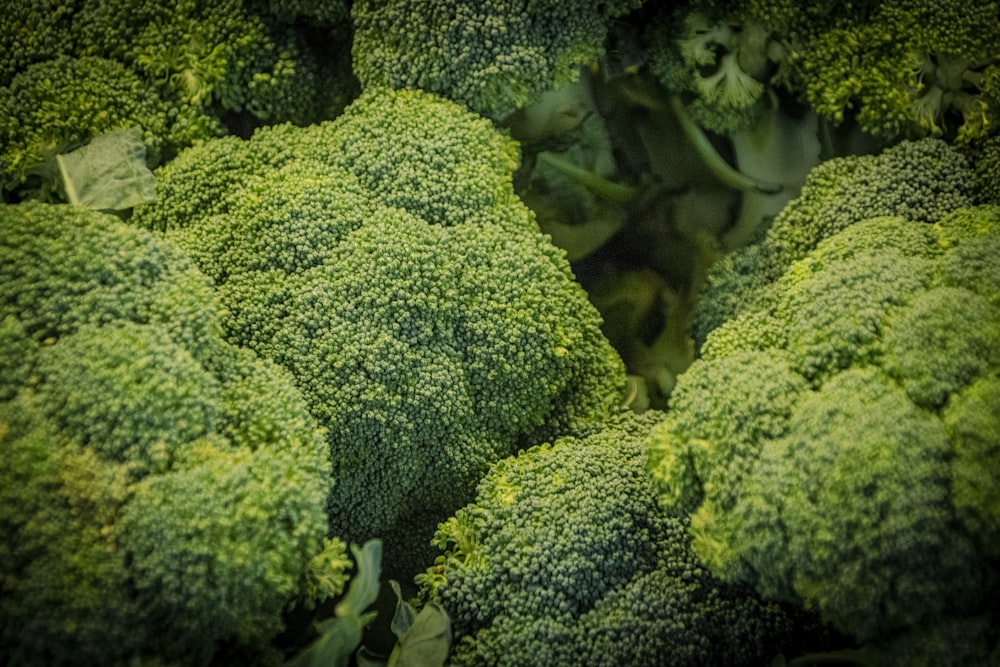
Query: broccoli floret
point(835, 435)
point(216, 56)
point(162, 493)
point(33, 32)
point(565, 558)
point(985, 156)
point(721, 65)
point(384, 259)
point(972, 421)
point(921, 181)
point(422, 154)
point(973, 251)
point(908, 68)
point(55, 106)
point(495, 56)
point(871, 529)
point(214, 65)
point(899, 69)
point(911, 331)
point(693, 453)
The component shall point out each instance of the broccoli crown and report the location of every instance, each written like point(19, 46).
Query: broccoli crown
point(565, 558)
point(161, 492)
point(32, 32)
point(919, 180)
point(57, 105)
point(836, 436)
point(720, 65)
point(384, 259)
point(494, 56)
point(909, 68)
point(184, 71)
point(899, 69)
point(207, 53)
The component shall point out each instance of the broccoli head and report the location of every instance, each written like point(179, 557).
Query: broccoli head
point(837, 436)
point(57, 105)
point(908, 69)
point(33, 32)
point(920, 180)
point(384, 259)
point(897, 69)
point(722, 65)
point(217, 56)
point(183, 71)
point(495, 56)
point(162, 492)
point(566, 558)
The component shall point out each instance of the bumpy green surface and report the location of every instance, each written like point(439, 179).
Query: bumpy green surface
point(565, 558)
point(161, 492)
point(384, 260)
point(920, 181)
point(836, 436)
point(493, 56)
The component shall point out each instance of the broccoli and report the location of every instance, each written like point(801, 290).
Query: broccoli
point(899, 69)
point(721, 66)
point(919, 180)
point(495, 57)
point(384, 259)
point(184, 71)
point(566, 558)
point(835, 439)
point(58, 105)
point(162, 493)
point(216, 56)
point(985, 156)
point(33, 32)
point(909, 68)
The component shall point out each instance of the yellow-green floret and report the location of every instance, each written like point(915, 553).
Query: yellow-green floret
point(838, 438)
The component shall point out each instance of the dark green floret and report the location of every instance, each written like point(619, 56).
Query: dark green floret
point(384, 259)
point(162, 493)
point(494, 56)
point(58, 105)
point(566, 558)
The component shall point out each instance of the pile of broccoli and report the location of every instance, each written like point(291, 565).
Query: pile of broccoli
point(898, 68)
point(617, 332)
point(182, 71)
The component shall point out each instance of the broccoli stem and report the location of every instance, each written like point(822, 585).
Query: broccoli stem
point(616, 192)
point(839, 657)
point(722, 169)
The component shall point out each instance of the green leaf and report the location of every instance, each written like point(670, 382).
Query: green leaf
point(339, 638)
point(424, 638)
point(109, 173)
point(404, 616)
point(365, 584)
